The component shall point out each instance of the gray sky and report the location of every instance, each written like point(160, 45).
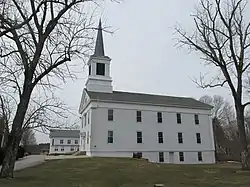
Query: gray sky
point(144, 55)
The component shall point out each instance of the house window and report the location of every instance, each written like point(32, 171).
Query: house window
point(69, 141)
point(139, 137)
point(159, 117)
point(56, 149)
point(89, 69)
point(180, 138)
point(100, 69)
point(110, 115)
point(53, 142)
point(137, 155)
point(61, 141)
point(198, 138)
point(110, 137)
point(62, 149)
point(196, 119)
point(160, 137)
point(181, 156)
point(88, 117)
point(178, 117)
point(72, 149)
point(161, 156)
point(138, 116)
point(199, 156)
point(76, 141)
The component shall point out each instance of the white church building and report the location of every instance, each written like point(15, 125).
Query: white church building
point(159, 128)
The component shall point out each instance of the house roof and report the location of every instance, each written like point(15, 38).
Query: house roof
point(148, 99)
point(64, 133)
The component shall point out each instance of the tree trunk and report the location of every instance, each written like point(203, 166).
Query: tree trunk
point(245, 155)
point(10, 157)
point(16, 133)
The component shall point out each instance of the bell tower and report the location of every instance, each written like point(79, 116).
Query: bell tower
point(99, 79)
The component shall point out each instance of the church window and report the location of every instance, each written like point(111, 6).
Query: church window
point(138, 116)
point(100, 69)
point(89, 69)
point(110, 137)
point(110, 115)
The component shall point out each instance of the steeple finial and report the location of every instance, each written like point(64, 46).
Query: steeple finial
point(99, 46)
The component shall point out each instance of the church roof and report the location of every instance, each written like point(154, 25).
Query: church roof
point(64, 133)
point(99, 46)
point(148, 99)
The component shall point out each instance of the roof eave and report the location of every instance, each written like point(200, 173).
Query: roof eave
point(153, 104)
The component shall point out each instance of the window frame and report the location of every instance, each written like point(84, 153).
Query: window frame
point(110, 137)
point(53, 142)
point(76, 142)
point(181, 157)
point(198, 138)
point(180, 138)
point(61, 141)
point(90, 69)
point(200, 157)
point(110, 115)
point(178, 118)
point(196, 119)
point(159, 117)
point(139, 138)
point(99, 68)
point(161, 157)
point(138, 116)
point(160, 138)
point(72, 149)
point(68, 142)
point(62, 149)
point(56, 149)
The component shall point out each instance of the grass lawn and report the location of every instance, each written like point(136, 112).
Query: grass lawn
point(112, 172)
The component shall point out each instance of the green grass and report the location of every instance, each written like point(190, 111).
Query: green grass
point(112, 172)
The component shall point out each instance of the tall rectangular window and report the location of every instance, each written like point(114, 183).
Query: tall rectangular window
point(53, 142)
point(76, 142)
point(62, 149)
point(160, 137)
point(61, 141)
point(110, 137)
point(138, 116)
point(139, 137)
point(196, 119)
point(89, 69)
point(110, 115)
point(180, 138)
point(200, 156)
point(161, 156)
point(181, 156)
point(178, 118)
point(198, 138)
point(159, 117)
point(69, 141)
point(100, 69)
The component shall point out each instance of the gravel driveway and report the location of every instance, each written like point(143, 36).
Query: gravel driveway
point(29, 161)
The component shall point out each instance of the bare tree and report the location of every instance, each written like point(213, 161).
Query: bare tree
point(39, 41)
point(222, 37)
point(28, 137)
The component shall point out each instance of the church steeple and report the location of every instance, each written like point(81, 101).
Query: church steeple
point(99, 79)
point(99, 46)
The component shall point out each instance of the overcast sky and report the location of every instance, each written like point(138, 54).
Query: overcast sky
point(143, 52)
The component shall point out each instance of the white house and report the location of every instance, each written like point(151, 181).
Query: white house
point(64, 141)
point(160, 128)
